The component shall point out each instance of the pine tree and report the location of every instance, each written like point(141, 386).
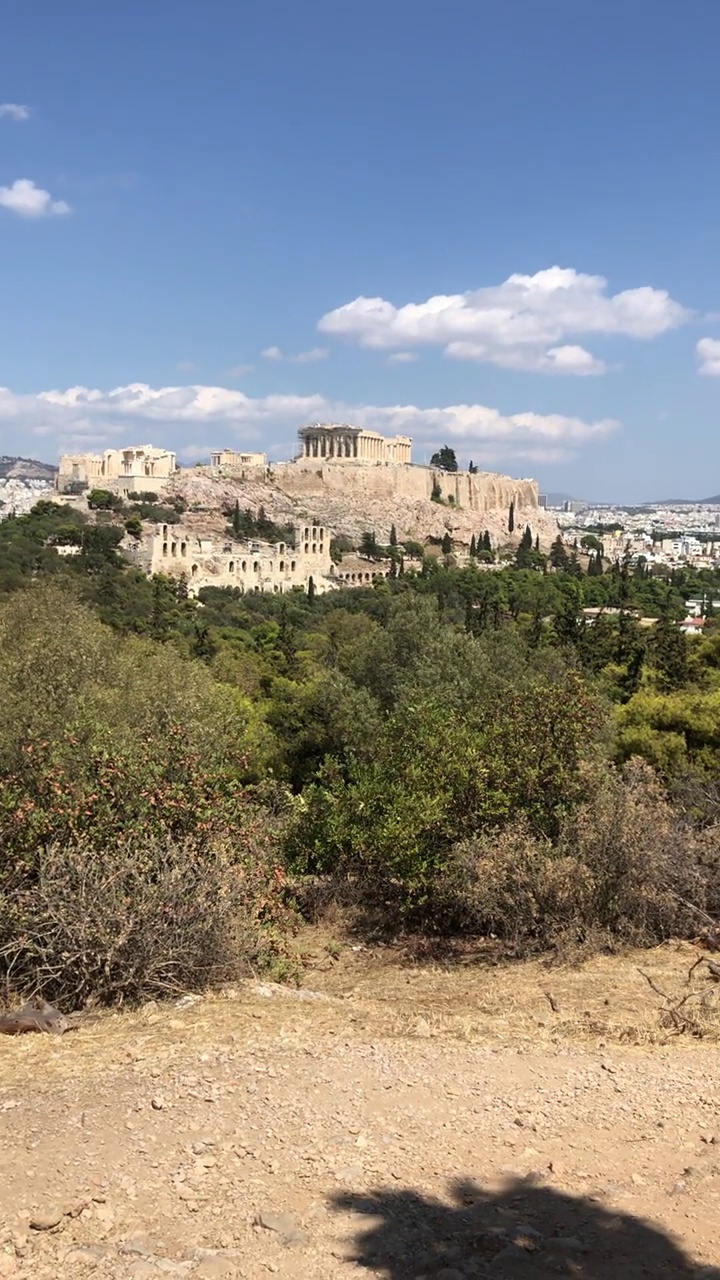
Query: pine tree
point(670, 652)
point(511, 518)
point(559, 558)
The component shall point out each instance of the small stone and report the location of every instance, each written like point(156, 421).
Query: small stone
point(349, 1173)
point(511, 1253)
point(136, 1246)
point(158, 1102)
point(566, 1244)
point(46, 1219)
point(215, 1269)
point(278, 1222)
point(8, 1266)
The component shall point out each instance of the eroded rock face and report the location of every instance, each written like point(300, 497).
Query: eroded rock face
point(352, 499)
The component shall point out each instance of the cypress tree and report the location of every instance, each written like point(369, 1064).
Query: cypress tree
point(393, 536)
point(511, 517)
point(447, 545)
point(473, 547)
point(236, 522)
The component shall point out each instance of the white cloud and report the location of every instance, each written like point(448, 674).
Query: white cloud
point(708, 350)
point(238, 370)
point(185, 366)
point(14, 111)
point(167, 414)
point(303, 357)
point(29, 201)
point(309, 357)
point(519, 324)
point(402, 357)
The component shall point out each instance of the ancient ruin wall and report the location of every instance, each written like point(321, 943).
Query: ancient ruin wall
point(484, 492)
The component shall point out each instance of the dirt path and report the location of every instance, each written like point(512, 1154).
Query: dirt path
point(332, 1136)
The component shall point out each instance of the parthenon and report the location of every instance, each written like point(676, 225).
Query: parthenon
point(338, 442)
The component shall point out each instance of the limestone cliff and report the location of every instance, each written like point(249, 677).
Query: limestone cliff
point(352, 499)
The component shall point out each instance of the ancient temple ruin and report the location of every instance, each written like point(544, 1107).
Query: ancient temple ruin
point(339, 442)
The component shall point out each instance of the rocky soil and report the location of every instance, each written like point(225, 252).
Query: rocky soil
point(350, 513)
point(328, 1134)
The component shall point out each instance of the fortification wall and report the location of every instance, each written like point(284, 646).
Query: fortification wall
point(482, 493)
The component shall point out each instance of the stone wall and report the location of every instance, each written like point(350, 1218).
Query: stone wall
point(481, 493)
point(180, 551)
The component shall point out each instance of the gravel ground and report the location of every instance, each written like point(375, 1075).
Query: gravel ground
point(251, 1136)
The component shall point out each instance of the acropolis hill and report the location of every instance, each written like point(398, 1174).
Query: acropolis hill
point(345, 479)
point(356, 492)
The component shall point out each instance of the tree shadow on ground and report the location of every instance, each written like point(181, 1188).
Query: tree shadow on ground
point(523, 1230)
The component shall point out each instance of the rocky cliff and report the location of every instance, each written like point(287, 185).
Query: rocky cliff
point(352, 499)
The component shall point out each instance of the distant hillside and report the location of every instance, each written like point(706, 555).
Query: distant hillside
point(25, 469)
point(687, 502)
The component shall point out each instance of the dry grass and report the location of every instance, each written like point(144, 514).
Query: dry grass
point(381, 993)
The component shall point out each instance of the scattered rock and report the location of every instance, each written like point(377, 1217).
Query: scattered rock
point(46, 1219)
point(566, 1244)
point(215, 1268)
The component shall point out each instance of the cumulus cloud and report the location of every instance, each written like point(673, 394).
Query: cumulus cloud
point(303, 357)
point(168, 414)
point(402, 357)
point(14, 111)
point(708, 350)
point(519, 324)
point(29, 201)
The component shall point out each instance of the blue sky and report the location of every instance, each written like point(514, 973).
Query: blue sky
point(492, 225)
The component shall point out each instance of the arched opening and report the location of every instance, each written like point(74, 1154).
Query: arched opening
point(231, 567)
point(307, 547)
point(193, 571)
point(282, 566)
point(183, 548)
point(292, 566)
point(256, 566)
point(314, 548)
point(164, 548)
point(173, 548)
point(244, 566)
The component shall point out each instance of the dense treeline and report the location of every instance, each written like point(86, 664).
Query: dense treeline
point(453, 749)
